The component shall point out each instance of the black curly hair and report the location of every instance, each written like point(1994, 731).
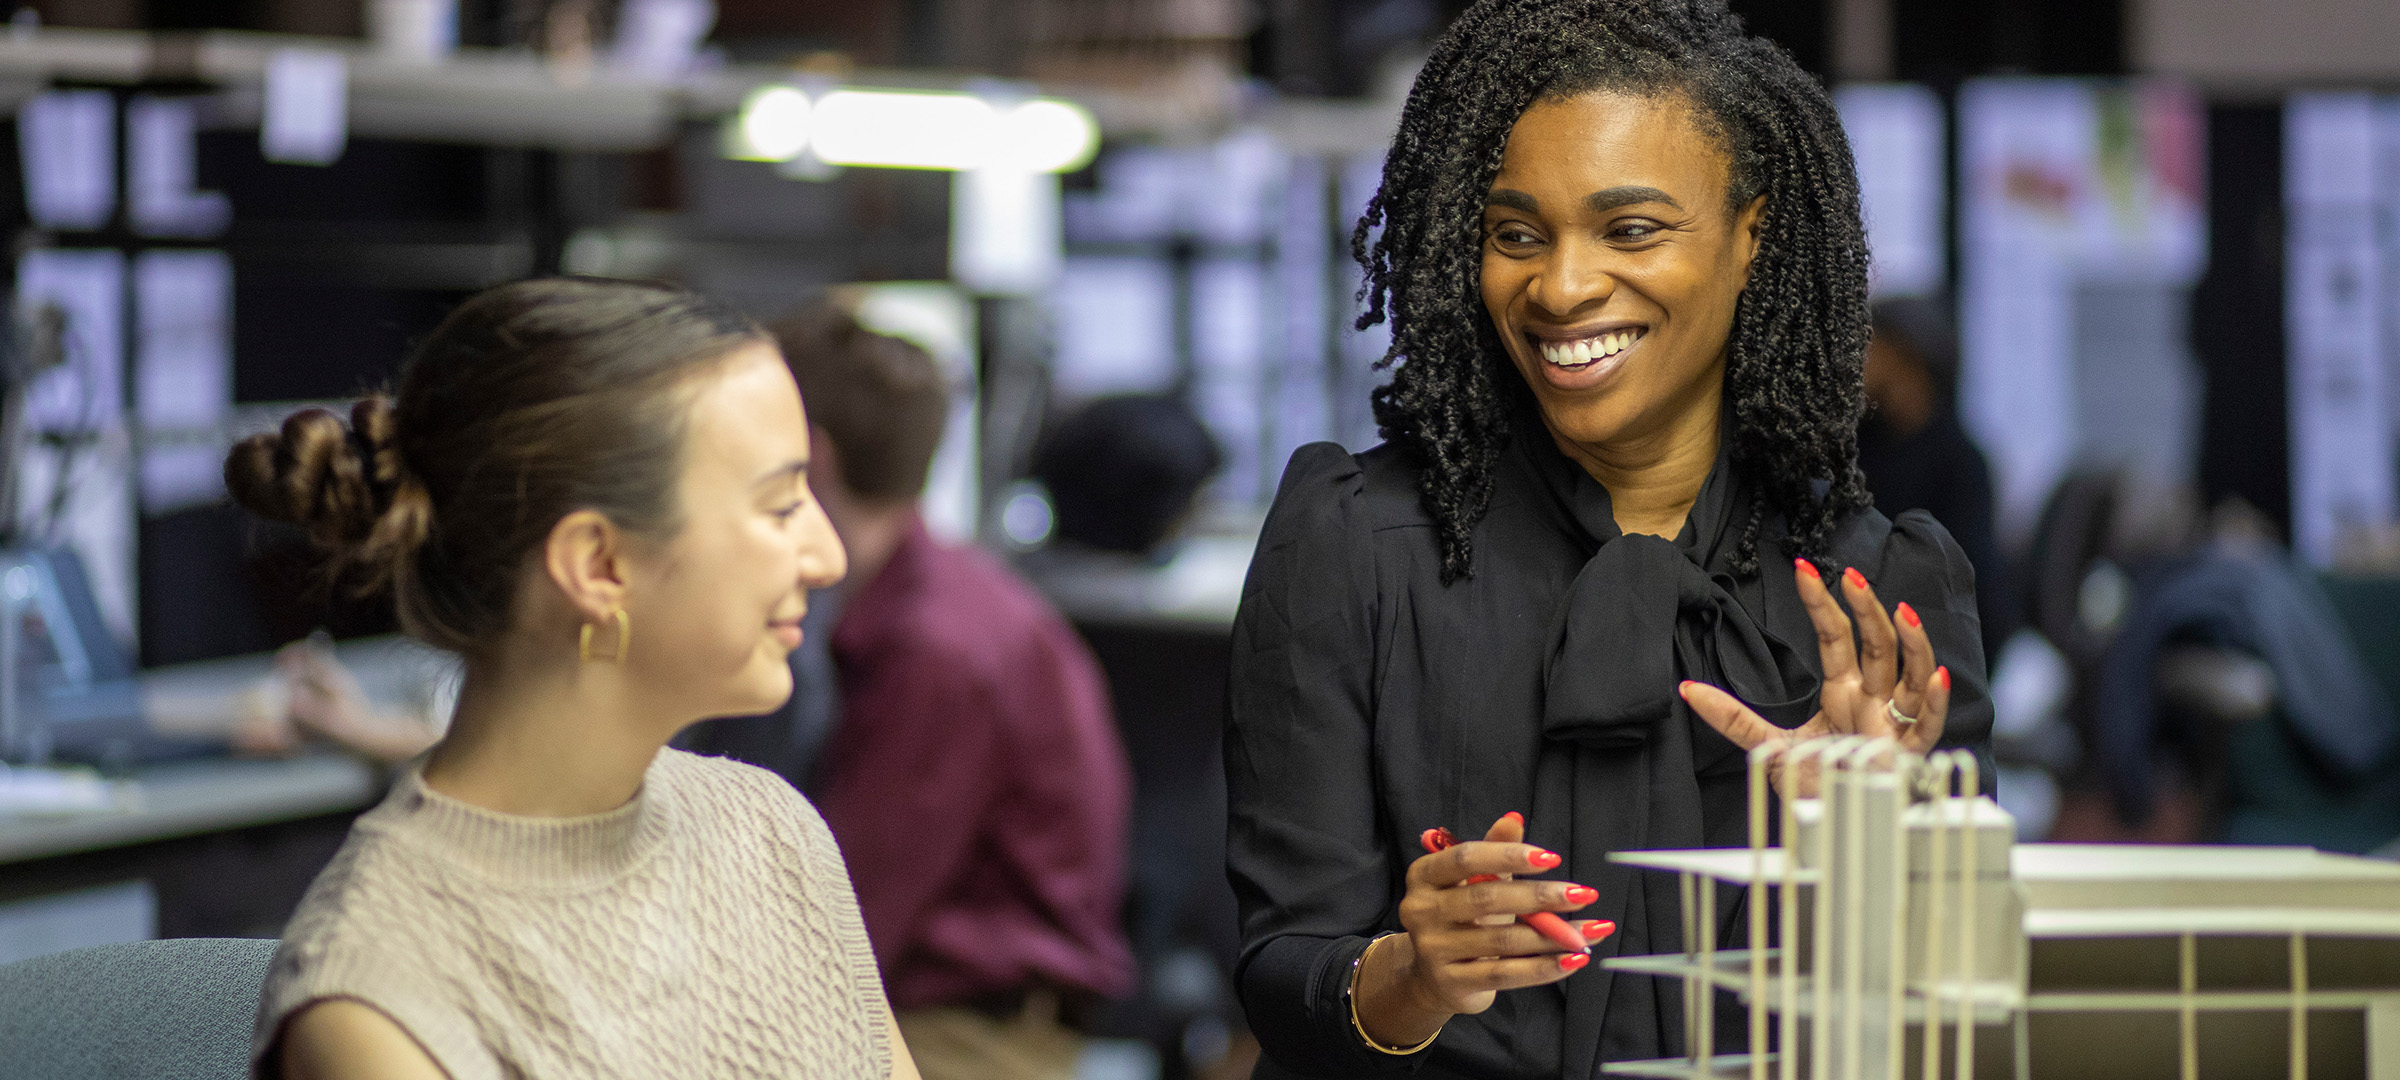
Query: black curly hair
point(1795, 355)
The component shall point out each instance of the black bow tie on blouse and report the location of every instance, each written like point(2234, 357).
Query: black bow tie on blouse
point(1646, 613)
point(1624, 755)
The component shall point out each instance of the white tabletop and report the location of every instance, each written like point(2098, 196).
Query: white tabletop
point(207, 795)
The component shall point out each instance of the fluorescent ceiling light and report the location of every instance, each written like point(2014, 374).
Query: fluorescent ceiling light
point(903, 130)
point(913, 130)
point(1047, 136)
point(773, 125)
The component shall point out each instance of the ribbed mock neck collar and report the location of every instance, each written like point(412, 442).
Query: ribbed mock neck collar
point(536, 852)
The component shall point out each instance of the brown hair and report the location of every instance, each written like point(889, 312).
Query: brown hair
point(881, 400)
point(531, 401)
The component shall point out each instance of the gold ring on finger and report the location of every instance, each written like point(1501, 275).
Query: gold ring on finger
point(1892, 708)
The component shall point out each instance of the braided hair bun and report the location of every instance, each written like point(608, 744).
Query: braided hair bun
point(533, 400)
point(344, 484)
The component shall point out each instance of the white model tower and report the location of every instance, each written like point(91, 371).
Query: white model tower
point(1908, 923)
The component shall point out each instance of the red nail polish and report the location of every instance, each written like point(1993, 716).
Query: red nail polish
point(1941, 675)
point(1515, 816)
point(1436, 838)
point(1544, 860)
point(1807, 568)
point(1554, 929)
point(1909, 615)
point(1573, 961)
point(1857, 580)
point(1596, 929)
point(1582, 894)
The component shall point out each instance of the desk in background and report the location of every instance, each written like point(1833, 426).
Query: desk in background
point(207, 847)
point(1162, 632)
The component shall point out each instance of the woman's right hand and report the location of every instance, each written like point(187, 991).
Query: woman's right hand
point(327, 700)
point(1881, 681)
point(1463, 942)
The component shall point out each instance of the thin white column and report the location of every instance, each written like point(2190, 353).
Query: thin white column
point(1937, 874)
point(1970, 876)
point(2299, 1006)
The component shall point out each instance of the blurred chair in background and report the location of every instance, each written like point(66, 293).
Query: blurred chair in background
point(148, 1010)
point(1126, 474)
point(974, 777)
point(2275, 698)
point(1124, 471)
point(2221, 691)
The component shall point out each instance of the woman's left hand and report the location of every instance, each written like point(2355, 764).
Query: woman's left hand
point(1880, 681)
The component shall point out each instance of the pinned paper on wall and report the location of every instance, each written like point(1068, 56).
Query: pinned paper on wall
point(161, 171)
point(413, 31)
point(658, 39)
point(307, 112)
point(183, 356)
point(2343, 479)
point(1116, 326)
point(181, 476)
point(1897, 133)
point(2076, 194)
point(182, 374)
point(67, 145)
point(85, 391)
point(1229, 320)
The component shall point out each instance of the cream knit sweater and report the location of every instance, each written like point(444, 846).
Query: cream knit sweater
point(705, 929)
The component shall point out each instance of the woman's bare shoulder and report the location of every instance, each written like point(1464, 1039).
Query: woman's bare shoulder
point(347, 1039)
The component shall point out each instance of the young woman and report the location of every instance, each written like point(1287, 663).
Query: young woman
point(1621, 255)
point(597, 494)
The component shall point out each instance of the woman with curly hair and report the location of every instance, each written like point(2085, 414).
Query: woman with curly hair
point(1618, 243)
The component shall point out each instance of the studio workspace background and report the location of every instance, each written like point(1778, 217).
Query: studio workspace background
point(2158, 242)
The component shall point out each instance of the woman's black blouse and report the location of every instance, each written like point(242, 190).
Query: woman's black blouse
point(1370, 702)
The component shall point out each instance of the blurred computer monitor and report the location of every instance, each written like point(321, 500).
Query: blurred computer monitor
point(66, 684)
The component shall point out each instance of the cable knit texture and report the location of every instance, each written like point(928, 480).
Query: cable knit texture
point(704, 929)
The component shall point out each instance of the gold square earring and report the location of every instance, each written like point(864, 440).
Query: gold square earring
point(583, 646)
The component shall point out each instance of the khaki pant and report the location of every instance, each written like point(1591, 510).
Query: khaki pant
point(956, 1043)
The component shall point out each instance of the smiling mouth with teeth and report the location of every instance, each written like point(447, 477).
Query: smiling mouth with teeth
point(1583, 352)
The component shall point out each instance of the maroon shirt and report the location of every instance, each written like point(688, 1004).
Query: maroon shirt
point(976, 784)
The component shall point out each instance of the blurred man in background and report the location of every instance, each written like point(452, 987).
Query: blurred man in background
point(974, 776)
point(1916, 454)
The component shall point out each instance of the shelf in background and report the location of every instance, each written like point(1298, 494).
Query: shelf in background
point(481, 96)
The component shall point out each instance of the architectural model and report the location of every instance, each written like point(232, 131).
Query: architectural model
point(1913, 938)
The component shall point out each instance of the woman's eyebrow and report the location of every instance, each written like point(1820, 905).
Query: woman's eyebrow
point(785, 471)
point(1513, 199)
point(1607, 199)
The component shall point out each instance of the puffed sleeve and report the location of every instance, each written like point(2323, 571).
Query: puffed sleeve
point(1307, 865)
point(1922, 564)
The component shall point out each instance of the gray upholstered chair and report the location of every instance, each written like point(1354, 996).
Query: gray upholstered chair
point(179, 1009)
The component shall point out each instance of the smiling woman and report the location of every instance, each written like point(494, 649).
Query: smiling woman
point(597, 494)
point(1618, 243)
point(1576, 289)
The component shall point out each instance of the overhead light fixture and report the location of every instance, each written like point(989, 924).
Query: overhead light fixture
point(772, 126)
point(903, 130)
point(898, 129)
point(1047, 135)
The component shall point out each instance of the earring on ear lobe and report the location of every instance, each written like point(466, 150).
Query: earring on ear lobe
point(583, 645)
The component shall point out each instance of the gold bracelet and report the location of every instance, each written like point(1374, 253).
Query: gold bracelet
point(1351, 992)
